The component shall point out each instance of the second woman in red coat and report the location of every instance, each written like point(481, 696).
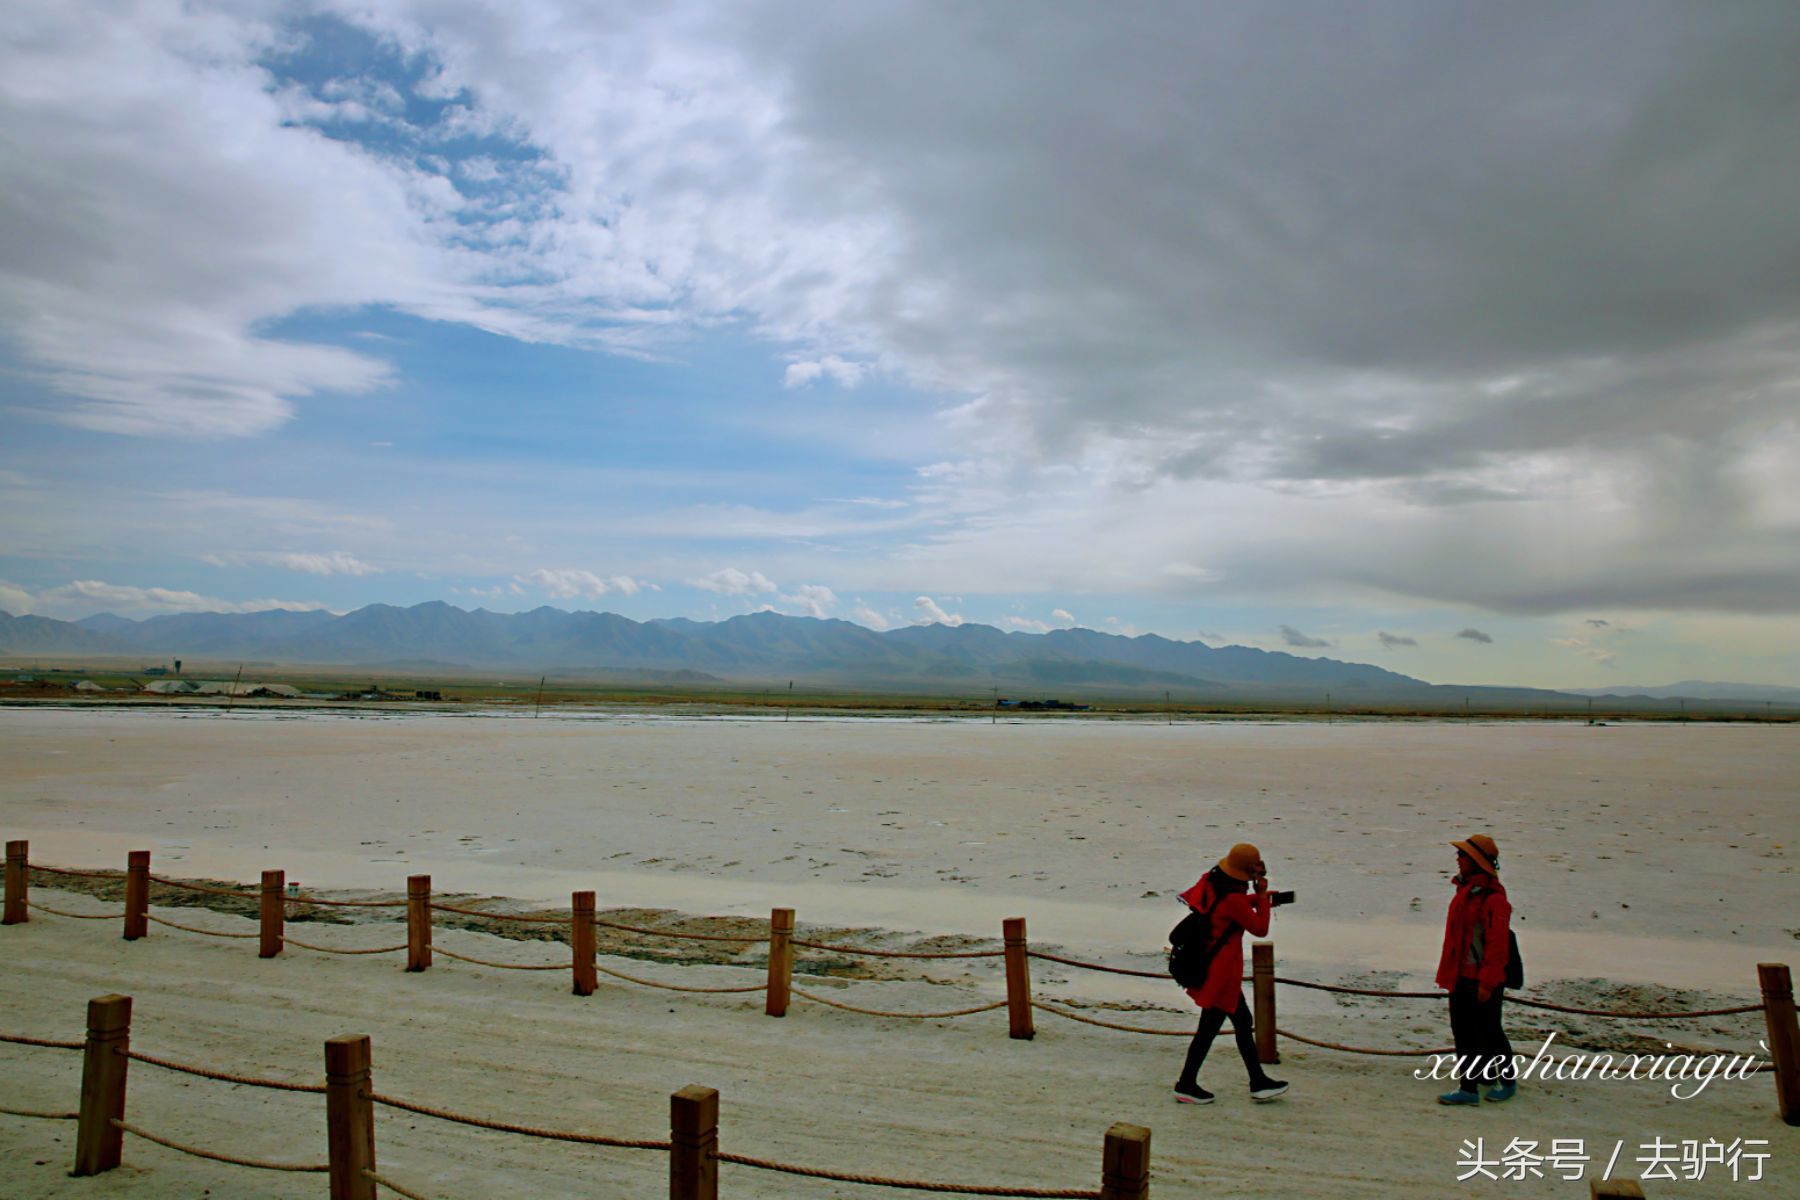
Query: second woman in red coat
point(1236, 895)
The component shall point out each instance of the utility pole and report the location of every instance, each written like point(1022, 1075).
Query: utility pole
point(1170, 705)
point(1328, 708)
point(1465, 710)
point(790, 702)
point(994, 716)
point(539, 707)
point(231, 696)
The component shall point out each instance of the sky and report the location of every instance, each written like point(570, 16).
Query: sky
point(1459, 338)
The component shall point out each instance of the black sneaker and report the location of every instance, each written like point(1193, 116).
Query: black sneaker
point(1265, 1090)
point(1192, 1095)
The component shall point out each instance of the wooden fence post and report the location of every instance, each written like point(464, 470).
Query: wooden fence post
point(1784, 1036)
point(694, 1132)
point(1125, 1170)
point(781, 961)
point(273, 912)
point(1262, 980)
point(581, 941)
point(98, 1141)
point(137, 894)
point(1018, 979)
point(1615, 1189)
point(349, 1117)
point(418, 922)
point(18, 879)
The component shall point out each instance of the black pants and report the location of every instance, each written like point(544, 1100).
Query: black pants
point(1480, 1040)
point(1211, 1021)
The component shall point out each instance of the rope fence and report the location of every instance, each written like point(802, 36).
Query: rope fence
point(57, 912)
point(581, 924)
point(351, 1100)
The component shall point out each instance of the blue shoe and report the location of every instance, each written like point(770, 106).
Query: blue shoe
point(1503, 1092)
point(1460, 1097)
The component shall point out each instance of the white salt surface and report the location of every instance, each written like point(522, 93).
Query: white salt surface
point(1647, 855)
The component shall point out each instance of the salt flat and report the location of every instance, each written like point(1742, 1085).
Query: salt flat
point(1652, 858)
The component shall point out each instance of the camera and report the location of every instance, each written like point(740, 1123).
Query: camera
point(1280, 898)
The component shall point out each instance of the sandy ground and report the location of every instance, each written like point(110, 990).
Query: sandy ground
point(1650, 865)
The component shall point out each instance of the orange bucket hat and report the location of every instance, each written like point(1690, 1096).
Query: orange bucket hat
point(1243, 863)
point(1482, 849)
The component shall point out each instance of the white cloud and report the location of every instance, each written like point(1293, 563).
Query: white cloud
point(84, 597)
point(932, 614)
point(862, 614)
point(847, 374)
point(14, 599)
point(335, 563)
point(1025, 624)
point(568, 584)
point(730, 581)
point(1063, 615)
point(812, 599)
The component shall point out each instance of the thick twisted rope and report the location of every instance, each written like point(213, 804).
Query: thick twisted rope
point(495, 916)
point(1109, 1024)
point(44, 1116)
point(677, 933)
point(875, 1012)
point(391, 1186)
point(558, 1135)
point(214, 1155)
point(917, 1185)
point(222, 1076)
point(677, 987)
point(192, 929)
point(340, 950)
point(1363, 1049)
point(898, 953)
point(1073, 962)
point(482, 962)
point(49, 1043)
point(57, 912)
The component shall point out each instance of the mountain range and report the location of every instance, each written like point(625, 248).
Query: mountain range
point(758, 649)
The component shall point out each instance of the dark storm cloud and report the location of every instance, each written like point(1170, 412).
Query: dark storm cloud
point(1475, 635)
point(1293, 637)
point(1392, 640)
point(1426, 245)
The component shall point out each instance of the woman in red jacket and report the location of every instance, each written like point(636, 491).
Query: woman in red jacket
point(1472, 969)
point(1222, 893)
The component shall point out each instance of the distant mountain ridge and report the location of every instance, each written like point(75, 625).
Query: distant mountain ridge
point(758, 646)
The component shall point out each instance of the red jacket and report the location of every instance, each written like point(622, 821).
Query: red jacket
point(1225, 975)
point(1475, 934)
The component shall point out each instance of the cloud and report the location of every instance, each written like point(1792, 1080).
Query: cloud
point(1598, 623)
point(845, 374)
point(862, 614)
point(730, 581)
point(14, 599)
point(1026, 624)
point(335, 563)
point(84, 597)
point(931, 614)
point(566, 584)
point(1598, 655)
point(812, 599)
point(1063, 615)
point(1390, 641)
point(1293, 637)
point(1475, 635)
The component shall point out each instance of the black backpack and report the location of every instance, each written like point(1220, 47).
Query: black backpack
point(1515, 966)
point(1192, 947)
